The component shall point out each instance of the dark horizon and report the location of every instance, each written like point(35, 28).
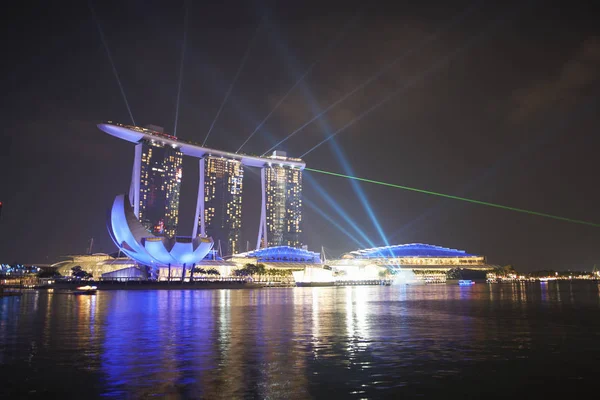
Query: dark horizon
point(509, 119)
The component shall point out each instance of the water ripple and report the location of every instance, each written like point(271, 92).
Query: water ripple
point(355, 342)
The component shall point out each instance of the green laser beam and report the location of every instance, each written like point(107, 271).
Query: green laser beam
point(449, 196)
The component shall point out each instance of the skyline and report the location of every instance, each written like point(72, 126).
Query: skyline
point(508, 122)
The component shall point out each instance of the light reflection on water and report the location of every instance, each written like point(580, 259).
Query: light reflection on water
point(350, 342)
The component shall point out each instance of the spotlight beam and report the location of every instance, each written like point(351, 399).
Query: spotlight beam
point(326, 129)
point(185, 24)
point(334, 223)
point(415, 80)
point(235, 78)
point(448, 196)
point(430, 38)
point(325, 52)
point(339, 210)
point(112, 63)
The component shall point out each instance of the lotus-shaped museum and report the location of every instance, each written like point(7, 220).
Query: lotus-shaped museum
point(154, 251)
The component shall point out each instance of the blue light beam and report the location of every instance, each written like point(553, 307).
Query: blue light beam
point(325, 52)
point(418, 78)
point(185, 24)
point(338, 209)
point(326, 129)
point(456, 20)
point(339, 227)
point(235, 78)
point(114, 68)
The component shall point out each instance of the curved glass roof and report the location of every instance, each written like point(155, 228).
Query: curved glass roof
point(409, 250)
point(282, 254)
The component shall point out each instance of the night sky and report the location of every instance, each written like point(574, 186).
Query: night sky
point(497, 103)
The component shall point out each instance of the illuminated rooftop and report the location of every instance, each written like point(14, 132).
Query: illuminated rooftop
point(408, 250)
point(282, 254)
point(135, 134)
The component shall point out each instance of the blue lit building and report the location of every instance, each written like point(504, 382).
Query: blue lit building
point(279, 256)
point(414, 262)
point(414, 256)
point(418, 250)
point(134, 240)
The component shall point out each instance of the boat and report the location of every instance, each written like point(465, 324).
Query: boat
point(87, 289)
point(465, 282)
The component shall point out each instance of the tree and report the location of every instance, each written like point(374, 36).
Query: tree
point(240, 272)
point(251, 269)
point(212, 271)
point(197, 270)
point(454, 273)
point(49, 274)
point(260, 269)
point(509, 270)
point(78, 272)
point(256, 269)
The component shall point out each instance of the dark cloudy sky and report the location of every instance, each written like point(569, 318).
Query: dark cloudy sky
point(498, 103)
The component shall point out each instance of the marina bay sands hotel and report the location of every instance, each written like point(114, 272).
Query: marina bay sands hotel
point(156, 181)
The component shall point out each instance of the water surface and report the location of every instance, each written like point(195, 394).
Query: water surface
point(330, 342)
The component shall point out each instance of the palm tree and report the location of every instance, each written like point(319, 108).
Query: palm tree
point(252, 269)
point(241, 272)
point(198, 270)
point(78, 272)
point(260, 269)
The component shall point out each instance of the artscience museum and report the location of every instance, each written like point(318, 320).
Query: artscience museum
point(156, 252)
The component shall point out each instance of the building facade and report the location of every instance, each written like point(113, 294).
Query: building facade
point(99, 265)
point(223, 185)
point(156, 181)
point(160, 173)
point(283, 190)
point(417, 255)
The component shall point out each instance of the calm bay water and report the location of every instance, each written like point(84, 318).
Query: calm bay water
point(348, 342)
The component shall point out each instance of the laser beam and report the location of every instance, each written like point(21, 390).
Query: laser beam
point(325, 52)
point(508, 160)
point(459, 18)
point(448, 196)
point(112, 63)
point(185, 23)
point(235, 78)
point(437, 66)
